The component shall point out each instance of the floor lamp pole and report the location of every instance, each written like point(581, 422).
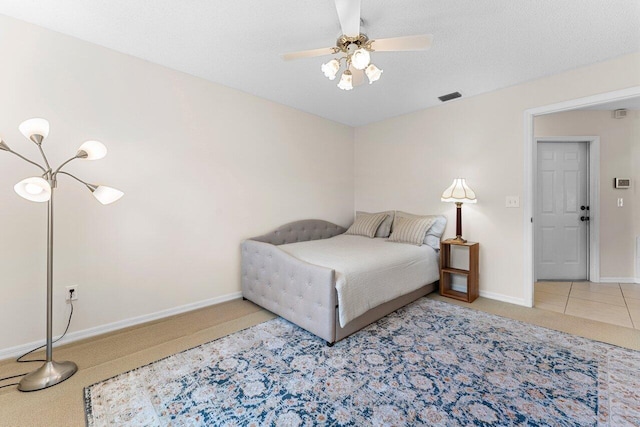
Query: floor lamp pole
point(51, 373)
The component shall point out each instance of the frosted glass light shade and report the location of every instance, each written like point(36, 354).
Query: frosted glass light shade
point(373, 73)
point(360, 59)
point(346, 81)
point(107, 195)
point(95, 150)
point(35, 189)
point(330, 69)
point(35, 126)
point(459, 192)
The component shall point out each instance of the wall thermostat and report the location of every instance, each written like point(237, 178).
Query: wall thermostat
point(621, 182)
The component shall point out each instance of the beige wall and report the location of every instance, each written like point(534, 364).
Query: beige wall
point(619, 140)
point(203, 167)
point(406, 162)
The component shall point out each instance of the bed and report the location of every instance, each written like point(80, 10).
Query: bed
point(333, 284)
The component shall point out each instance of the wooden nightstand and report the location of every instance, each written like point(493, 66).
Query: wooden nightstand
point(471, 274)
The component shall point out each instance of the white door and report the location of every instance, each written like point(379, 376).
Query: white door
point(562, 211)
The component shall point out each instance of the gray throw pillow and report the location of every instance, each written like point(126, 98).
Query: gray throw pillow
point(366, 224)
point(384, 229)
point(434, 233)
point(410, 230)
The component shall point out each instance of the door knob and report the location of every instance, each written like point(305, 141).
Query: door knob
point(584, 218)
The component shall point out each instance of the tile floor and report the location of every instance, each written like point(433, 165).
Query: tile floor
point(616, 303)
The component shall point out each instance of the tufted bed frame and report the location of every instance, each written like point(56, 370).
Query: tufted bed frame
point(300, 292)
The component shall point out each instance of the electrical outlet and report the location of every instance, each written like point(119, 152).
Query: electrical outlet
point(512, 202)
point(620, 202)
point(72, 293)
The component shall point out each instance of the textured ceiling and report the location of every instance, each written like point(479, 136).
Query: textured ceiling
point(478, 46)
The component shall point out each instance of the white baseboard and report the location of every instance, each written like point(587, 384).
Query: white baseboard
point(619, 280)
point(503, 298)
point(16, 351)
point(492, 295)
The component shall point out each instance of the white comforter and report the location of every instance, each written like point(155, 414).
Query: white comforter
point(369, 272)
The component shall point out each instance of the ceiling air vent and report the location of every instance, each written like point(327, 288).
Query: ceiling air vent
point(449, 96)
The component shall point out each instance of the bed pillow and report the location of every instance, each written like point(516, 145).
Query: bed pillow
point(366, 224)
point(410, 230)
point(385, 228)
point(434, 234)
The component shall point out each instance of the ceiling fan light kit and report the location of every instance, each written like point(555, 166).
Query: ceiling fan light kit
point(360, 59)
point(373, 73)
point(357, 56)
point(357, 49)
point(346, 81)
point(331, 68)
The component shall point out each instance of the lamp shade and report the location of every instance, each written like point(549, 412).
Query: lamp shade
point(459, 192)
point(95, 150)
point(346, 81)
point(106, 195)
point(330, 69)
point(360, 59)
point(35, 189)
point(373, 73)
point(35, 126)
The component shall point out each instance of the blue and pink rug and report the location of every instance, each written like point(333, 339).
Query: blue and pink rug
point(430, 363)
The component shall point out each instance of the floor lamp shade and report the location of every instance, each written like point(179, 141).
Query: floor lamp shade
point(35, 189)
point(35, 126)
point(94, 150)
point(107, 195)
point(459, 192)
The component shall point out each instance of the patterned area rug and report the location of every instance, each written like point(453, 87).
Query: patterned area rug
point(430, 363)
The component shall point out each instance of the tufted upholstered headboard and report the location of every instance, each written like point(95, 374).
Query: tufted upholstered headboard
point(301, 231)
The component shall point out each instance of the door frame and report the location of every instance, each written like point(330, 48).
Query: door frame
point(593, 181)
point(528, 172)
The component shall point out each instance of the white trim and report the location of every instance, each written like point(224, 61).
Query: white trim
point(16, 351)
point(528, 279)
point(618, 280)
point(503, 298)
point(637, 279)
point(594, 196)
point(490, 295)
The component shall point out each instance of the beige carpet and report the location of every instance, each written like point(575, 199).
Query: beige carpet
point(108, 355)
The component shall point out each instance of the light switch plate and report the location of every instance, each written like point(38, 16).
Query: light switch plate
point(512, 201)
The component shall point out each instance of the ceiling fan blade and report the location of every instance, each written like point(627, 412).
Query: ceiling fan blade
point(357, 76)
point(421, 42)
point(308, 53)
point(349, 16)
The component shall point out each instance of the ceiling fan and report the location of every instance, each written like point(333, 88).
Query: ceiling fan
point(356, 48)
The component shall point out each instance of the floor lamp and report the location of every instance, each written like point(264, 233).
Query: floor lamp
point(459, 193)
point(40, 189)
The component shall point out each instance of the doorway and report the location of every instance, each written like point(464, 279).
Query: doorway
point(529, 183)
point(562, 212)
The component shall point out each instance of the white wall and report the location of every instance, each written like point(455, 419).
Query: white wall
point(406, 162)
point(203, 167)
point(618, 143)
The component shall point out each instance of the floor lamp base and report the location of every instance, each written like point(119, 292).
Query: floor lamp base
point(49, 374)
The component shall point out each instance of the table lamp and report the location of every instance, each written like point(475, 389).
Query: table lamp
point(459, 192)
